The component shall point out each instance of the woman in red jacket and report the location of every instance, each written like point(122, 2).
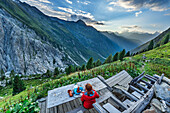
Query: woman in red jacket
point(89, 96)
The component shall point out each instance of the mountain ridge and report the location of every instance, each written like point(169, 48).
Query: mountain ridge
point(59, 34)
point(157, 40)
point(125, 43)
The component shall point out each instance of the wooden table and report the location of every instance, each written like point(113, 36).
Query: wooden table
point(60, 95)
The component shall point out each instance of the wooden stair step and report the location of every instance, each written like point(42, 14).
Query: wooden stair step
point(128, 103)
point(136, 94)
point(110, 108)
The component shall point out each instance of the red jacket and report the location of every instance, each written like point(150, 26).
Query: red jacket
point(89, 100)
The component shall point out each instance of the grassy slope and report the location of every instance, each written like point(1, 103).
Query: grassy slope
point(159, 60)
point(159, 63)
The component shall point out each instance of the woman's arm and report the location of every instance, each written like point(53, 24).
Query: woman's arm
point(82, 98)
point(97, 95)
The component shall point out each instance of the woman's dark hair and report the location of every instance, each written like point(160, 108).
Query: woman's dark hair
point(89, 89)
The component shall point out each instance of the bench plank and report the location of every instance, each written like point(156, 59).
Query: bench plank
point(99, 108)
point(60, 109)
point(43, 108)
point(110, 108)
point(68, 106)
point(55, 109)
point(65, 107)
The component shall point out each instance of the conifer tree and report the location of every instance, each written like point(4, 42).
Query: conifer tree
point(48, 73)
point(122, 54)
point(157, 45)
point(90, 63)
point(115, 58)
point(94, 64)
point(83, 67)
point(18, 85)
point(108, 59)
point(56, 71)
point(98, 62)
point(2, 75)
point(69, 69)
point(166, 39)
point(150, 47)
point(12, 74)
point(128, 53)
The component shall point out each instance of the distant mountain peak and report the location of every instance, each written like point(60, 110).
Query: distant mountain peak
point(81, 22)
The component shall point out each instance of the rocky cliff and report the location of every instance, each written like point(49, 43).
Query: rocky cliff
point(23, 51)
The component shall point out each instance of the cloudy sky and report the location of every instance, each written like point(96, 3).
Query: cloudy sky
point(111, 15)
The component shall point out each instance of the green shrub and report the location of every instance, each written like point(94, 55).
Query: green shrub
point(27, 105)
point(18, 85)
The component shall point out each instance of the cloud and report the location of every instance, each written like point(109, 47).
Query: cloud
point(131, 27)
point(70, 2)
point(79, 13)
point(155, 25)
point(110, 8)
point(63, 13)
point(137, 13)
point(46, 1)
point(134, 5)
point(48, 10)
point(168, 14)
point(87, 20)
point(85, 3)
point(67, 10)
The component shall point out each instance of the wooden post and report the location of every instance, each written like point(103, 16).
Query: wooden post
point(135, 89)
point(129, 95)
point(160, 79)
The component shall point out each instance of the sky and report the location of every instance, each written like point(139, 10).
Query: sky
point(111, 15)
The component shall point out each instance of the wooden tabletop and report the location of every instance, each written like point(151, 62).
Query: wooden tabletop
point(60, 95)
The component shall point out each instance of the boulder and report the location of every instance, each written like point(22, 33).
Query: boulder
point(162, 91)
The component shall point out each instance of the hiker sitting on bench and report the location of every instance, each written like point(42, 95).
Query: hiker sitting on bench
point(89, 96)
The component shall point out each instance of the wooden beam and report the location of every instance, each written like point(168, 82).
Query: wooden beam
point(99, 108)
point(142, 105)
point(103, 80)
point(152, 80)
point(142, 87)
point(137, 79)
point(152, 77)
point(130, 95)
point(140, 76)
point(135, 89)
point(119, 103)
point(147, 83)
point(104, 97)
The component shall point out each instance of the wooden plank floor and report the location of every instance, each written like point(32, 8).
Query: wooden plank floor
point(63, 108)
point(69, 106)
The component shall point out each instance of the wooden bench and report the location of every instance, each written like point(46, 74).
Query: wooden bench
point(122, 79)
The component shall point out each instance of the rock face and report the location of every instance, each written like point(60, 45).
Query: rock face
point(23, 51)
